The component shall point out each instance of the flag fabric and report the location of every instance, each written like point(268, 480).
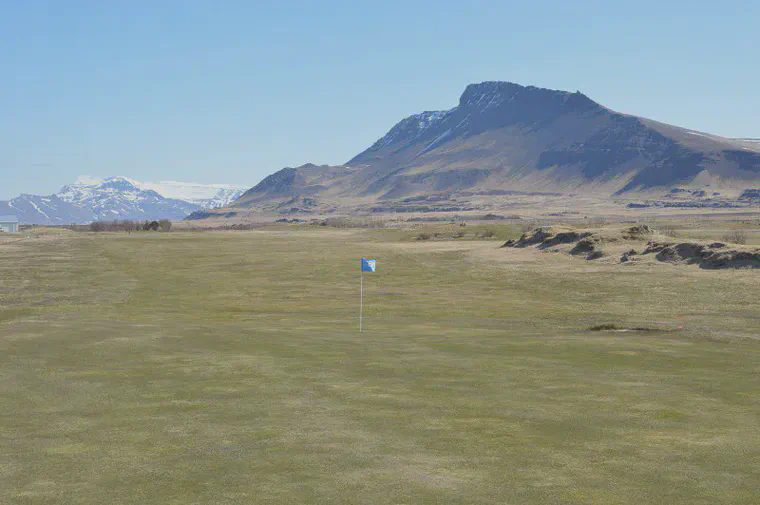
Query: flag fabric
point(368, 265)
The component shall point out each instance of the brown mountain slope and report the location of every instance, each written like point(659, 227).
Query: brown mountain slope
point(503, 136)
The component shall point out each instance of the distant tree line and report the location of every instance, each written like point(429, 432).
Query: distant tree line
point(127, 225)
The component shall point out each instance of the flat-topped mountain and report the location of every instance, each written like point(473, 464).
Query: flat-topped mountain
point(504, 136)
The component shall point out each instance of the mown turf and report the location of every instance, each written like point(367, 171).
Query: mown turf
point(226, 367)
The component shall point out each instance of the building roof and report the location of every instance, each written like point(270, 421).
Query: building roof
point(8, 219)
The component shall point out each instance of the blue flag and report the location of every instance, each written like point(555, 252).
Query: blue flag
point(368, 265)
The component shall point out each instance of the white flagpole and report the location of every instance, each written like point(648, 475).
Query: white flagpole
point(361, 298)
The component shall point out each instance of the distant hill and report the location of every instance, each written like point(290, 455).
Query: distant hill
point(504, 136)
point(118, 198)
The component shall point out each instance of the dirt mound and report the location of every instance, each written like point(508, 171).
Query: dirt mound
point(535, 237)
point(584, 246)
point(586, 243)
point(709, 256)
point(638, 232)
point(590, 247)
point(568, 237)
point(547, 237)
point(629, 256)
point(750, 194)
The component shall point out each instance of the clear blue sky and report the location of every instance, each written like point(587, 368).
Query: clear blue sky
point(231, 91)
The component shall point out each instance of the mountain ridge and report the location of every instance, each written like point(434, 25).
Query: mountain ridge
point(91, 199)
point(506, 136)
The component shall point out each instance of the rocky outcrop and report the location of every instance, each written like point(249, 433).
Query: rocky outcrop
point(591, 246)
point(709, 256)
point(629, 256)
point(586, 243)
point(750, 194)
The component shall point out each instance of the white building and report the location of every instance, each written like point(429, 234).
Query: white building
point(9, 224)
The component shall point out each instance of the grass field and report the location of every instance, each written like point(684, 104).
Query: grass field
point(226, 367)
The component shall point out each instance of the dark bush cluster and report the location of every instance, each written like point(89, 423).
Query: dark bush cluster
point(127, 225)
point(345, 222)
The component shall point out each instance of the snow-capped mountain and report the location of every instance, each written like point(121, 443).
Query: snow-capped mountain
point(34, 209)
point(92, 199)
point(208, 196)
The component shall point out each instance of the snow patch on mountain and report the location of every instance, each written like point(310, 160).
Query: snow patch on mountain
point(208, 196)
point(413, 126)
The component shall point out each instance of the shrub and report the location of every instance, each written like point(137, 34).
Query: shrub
point(596, 223)
point(423, 236)
point(487, 233)
point(736, 237)
point(126, 225)
point(668, 231)
point(345, 222)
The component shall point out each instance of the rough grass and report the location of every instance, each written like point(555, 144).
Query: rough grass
point(226, 367)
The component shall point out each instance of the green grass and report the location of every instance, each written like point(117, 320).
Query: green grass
point(227, 368)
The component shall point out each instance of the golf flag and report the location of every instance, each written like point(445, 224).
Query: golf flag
point(368, 265)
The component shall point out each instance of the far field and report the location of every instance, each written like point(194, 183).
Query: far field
point(227, 367)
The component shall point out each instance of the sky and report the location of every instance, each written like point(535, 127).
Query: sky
point(229, 92)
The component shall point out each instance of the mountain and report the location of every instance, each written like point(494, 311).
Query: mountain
point(207, 196)
point(506, 137)
point(33, 209)
point(91, 199)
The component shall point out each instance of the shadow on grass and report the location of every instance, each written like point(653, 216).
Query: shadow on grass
point(614, 327)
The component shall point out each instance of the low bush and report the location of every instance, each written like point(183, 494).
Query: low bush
point(115, 225)
point(736, 237)
point(165, 225)
point(345, 222)
point(669, 231)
